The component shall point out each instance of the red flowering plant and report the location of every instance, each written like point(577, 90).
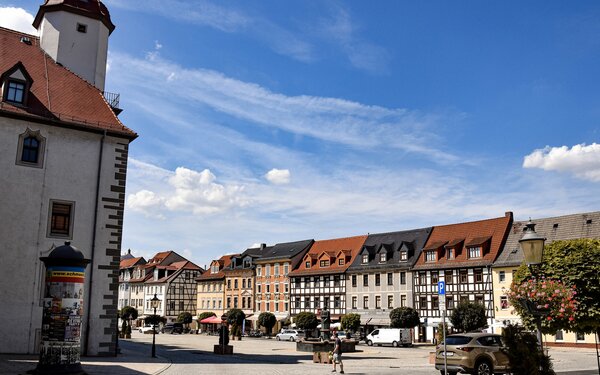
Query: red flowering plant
point(552, 300)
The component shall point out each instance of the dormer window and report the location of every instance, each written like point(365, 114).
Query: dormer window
point(15, 84)
point(15, 92)
point(430, 256)
point(450, 253)
point(365, 258)
point(324, 263)
point(307, 264)
point(341, 262)
point(404, 255)
point(474, 252)
point(382, 258)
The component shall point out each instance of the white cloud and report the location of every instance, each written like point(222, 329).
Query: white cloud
point(581, 160)
point(278, 176)
point(17, 19)
point(183, 190)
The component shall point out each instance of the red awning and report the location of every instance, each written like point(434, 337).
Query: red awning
point(211, 320)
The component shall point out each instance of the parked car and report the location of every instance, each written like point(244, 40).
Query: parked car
point(289, 335)
point(473, 353)
point(146, 329)
point(172, 328)
point(390, 336)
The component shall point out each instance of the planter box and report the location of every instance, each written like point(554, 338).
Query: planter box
point(223, 349)
point(321, 357)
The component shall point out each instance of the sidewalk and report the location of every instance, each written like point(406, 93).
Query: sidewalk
point(129, 362)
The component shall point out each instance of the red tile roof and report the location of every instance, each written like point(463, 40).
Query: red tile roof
point(491, 233)
point(352, 245)
point(129, 262)
point(57, 96)
point(224, 262)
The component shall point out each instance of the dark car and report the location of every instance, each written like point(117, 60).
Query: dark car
point(172, 328)
point(473, 353)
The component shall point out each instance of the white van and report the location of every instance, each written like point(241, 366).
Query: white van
point(390, 336)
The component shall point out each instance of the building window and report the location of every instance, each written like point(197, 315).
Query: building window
point(390, 279)
point(504, 302)
point(15, 92)
point(366, 302)
point(435, 302)
point(449, 303)
point(403, 278)
point(378, 302)
point(336, 280)
point(243, 283)
point(475, 252)
point(324, 263)
point(579, 336)
point(422, 278)
point(286, 269)
point(463, 276)
point(478, 273)
point(81, 28)
point(30, 150)
point(423, 303)
point(307, 264)
point(276, 271)
point(434, 277)
point(337, 302)
point(390, 304)
point(259, 288)
point(268, 270)
point(365, 258)
point(502, 276)
point(235, 284)
point(430, 256)
point(235, 302)
point(354, 302)
point(403, 255)
point(354, 280)
point(382, 257)
point(258, 271)
point(268, 288)
point(377, 279)
point(479, 299)
point(403, 300)
point(365, 280)
point(559, 335)
point(181, 305)
point(448, 277)
point(450, 253)
point(341, 261)
point(61, 219)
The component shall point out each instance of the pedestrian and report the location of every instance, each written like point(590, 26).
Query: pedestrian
point(337, 353)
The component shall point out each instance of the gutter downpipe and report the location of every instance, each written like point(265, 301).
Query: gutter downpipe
point(93, 247)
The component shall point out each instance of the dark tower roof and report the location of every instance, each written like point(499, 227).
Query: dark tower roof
point(87, 8)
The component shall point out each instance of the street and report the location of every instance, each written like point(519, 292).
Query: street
point(191, 354)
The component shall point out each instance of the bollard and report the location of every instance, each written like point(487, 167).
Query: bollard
point(60, 347)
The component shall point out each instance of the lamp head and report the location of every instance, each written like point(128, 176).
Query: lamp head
point(532, 245)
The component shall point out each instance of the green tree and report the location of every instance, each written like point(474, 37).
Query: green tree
point(128, 314)
point(404, 317)
point(206, 314)
point(185, 318)
point(267, 320)
point(468, 316)
point(155, 319)
point(575, 263)
point(235, 318)
point(524, 353)
point(351, 322)
point(306, 321)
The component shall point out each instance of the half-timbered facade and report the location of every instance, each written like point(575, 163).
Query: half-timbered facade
point(379, 279)
point(568, 227)
point(211, 287)
point(320, 280)
point(272, 278)
point(461, 255)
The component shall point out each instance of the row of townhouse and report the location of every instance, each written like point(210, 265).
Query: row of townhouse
point(167, 275)
point(372, 274)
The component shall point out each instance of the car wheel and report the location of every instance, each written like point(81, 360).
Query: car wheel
point(369, 342)
point(277, 338)
point(292, 338)
point(395, 344)
point(483, 368)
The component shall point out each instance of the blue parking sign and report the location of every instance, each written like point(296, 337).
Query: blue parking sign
point(441, 288)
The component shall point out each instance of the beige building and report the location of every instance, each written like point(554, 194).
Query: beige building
point(211, 287)
point(586, 225)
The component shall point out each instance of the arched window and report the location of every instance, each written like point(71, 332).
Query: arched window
point(31, 148)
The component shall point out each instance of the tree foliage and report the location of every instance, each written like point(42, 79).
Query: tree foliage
point(206, 314)
point(155, 319)
point(306, 320)
point(576, 263)
point(468, 316)
point(524, 353)
point(236, 317)
point(351, 322)
point(185, 318)
point(129, 313)
point(404, 317)
point(267, 320)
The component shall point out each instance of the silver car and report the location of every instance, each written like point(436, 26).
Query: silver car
point(289, 335)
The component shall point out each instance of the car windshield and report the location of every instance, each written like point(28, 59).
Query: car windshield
point(457, 340)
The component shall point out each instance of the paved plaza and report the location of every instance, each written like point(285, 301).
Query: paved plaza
point(192, 354)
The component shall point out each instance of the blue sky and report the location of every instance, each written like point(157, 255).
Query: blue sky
point(278, 121)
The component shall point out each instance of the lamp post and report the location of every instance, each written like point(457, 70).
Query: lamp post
point(154, 304)
point(532, 245)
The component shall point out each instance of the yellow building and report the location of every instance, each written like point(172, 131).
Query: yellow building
point(586, 225)
point(211, 287)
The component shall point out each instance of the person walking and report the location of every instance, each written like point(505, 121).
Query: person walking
point(337, 353)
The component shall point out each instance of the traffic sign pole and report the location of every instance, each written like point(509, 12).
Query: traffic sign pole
point(442, 307)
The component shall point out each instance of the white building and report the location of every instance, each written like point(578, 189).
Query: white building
point(63, 163)
point(127, 272)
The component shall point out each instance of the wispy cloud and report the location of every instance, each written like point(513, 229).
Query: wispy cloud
point(339, 121)
point(580, 160)
point(17, 19)
point(278, 176)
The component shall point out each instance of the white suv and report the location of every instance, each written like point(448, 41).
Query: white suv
point(289, 335)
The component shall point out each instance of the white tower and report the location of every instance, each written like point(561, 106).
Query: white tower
point(75, 34)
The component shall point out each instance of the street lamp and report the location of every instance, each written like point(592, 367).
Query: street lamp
point(154, 304)
point(532, 245)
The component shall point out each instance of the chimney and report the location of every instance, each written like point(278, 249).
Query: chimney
point(263, 246)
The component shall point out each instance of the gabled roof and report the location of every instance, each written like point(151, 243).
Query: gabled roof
point(568, 227)
point(57, 96)
point(286, 250)
point(391, 243)
point(492, 232)
point(353, 244)
point(176, 268)
point(131, 262)
point(223, 262)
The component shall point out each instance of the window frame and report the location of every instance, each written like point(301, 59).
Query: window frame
point(41, 149)
point(50, 231)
